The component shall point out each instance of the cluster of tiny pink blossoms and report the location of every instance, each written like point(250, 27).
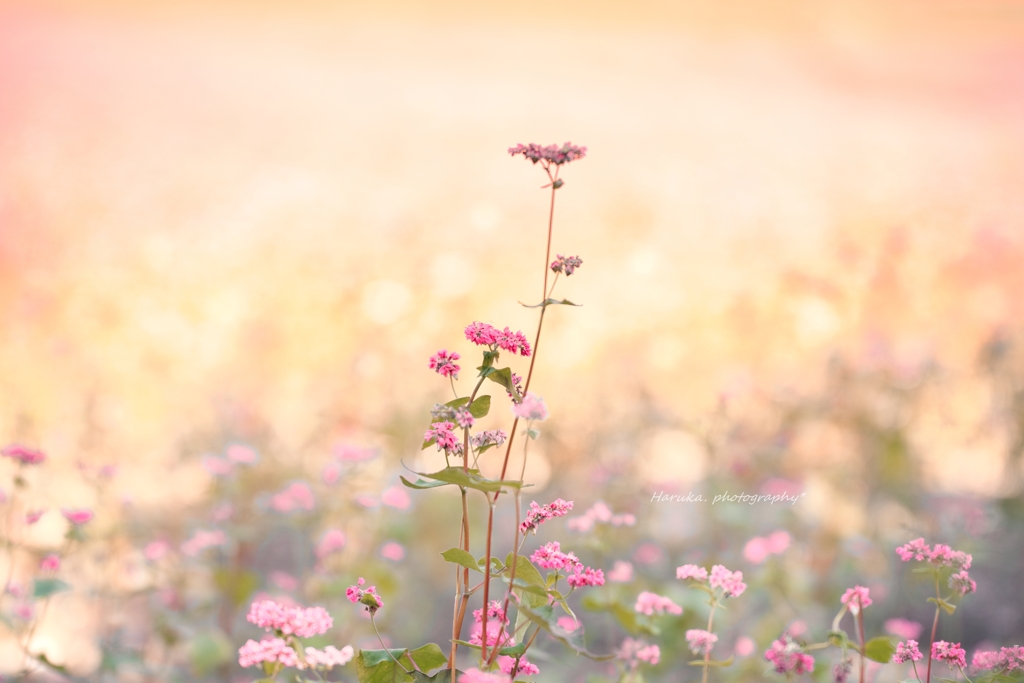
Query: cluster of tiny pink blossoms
point(498, 637)
point(856, 598)
point(903, 629)
point(550, 556)
point(50, 563)
point(942, 556)
point(951, 653)
point(1006, 659)
point(531, 408)
point(907, 652)
point(443, 363)
point(788, 657)
point(299, 621)
point(700, 641)
point(443, 434)
point(566, 264)
point(539, 514)
point(23, 454)
point(730, 582)
point(633, 651)
point(277, 650)
point(478, 676)
point(962, 583)
point(552, 154)
point(649, 603)
point(368, 596)
point(77, 517)
point(483, 334)
point(489, 437)
point(599, 512)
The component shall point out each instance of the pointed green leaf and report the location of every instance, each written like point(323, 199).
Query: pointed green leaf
point(480, 407)
point(44, 588)
point(470, 479)
point(377, 666)
point(504, 378)
point(943, 604)
point(422, 484)
point(428, 658)
point(552, 302)
point(462, 558)
point(879, 649)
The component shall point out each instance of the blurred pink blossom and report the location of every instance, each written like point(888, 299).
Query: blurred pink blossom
point(392, 551)
point(648, 553)
point(778, 486)
point(331, 542)
point(778, 542)
point(77, 517)
point(218, 467)
point(368, 501)
point(50, 563)
point(567, 622)
point(532, 407)
point(904, 629)
point(203, 539)
point(296, 496)
point(331, 473)
point(222, 512)
point(156, 550)
point(349, 453)
point(396, 497)
point(745, 646)
point(284, 581)
point(797, 628)
point(304, 622)
point(621, 572)
point(648, 603)
point(32, 516)
point(241, 454)
point(477, 676)
point(23, 454)
point(756, 550)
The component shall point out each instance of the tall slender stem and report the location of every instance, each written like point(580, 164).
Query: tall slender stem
point(935, 626)
point(860, 634)
point(707, 648)
point(374, 624)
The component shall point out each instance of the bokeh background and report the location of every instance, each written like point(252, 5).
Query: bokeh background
point(250, 224)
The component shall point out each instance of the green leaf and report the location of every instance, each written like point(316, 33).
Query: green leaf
point(560, 599)
point(552, 302)
point(504, 378)
point(879, 649)
point(480, 407)
point(44, 588)
point(462, 558)
point(544, 616)
point(428, 658)
point(943, 604)
point(422, 484)
point(517, 651)
point(470, 479)
point(377, 666)
point(533, 433)
point(712, 662)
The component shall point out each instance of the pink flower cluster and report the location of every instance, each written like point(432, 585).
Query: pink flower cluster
point(566, 264)
point(552, 154)
point(489, 437)
point(907, 652)
point(50, 563)
point(539, 514)
point(550, 556)
point(296, 496)
point(463, 417)
point(269, 650)
point(903, 628)
point(759, 548)
point(962, 583)
point(951, 653)
point(648, 603)
point(368, 597)
point(856, 598)
point(328, 657)
point(787, 656)
point(700, 641)
point(33, 516)
point(940, 556)
point(730, 582)
point(586, 577)
point(633, 651)
point(77, 517)
point(478, 676)
point(483, 334)
point(300, 621)
point(443, 363)
point(443, 434)
point(1007, 659)
point(532, 407)
point(600, 513)
point(331, 542)
point(203, 539)
point(23, 454)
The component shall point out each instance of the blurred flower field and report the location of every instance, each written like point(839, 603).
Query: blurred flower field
point(233, 240)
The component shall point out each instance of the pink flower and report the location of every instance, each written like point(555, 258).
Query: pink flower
point(328, 657)
point(463, 417)
point(586, 577)
point(269, 650)
point(23, 454)
point(331, 473)
point(903, 629)
point(304, 622)
point(633, 651)
point(156, 550)
point(50, 563)
point(568, 623)
point(692, 571)
point(477, 676)
point(525, 668)
point(396, 497)
point(443, 434)
point(648, 553)
point(296, 496)
point(368, 597)
point(551, 154)
point(349, 453)
point(648, 603)
point(907, 652)
point(222, 512)
point(284, 581)
point(443, 363)
point(622, 572)
point(962, 583)
point(566, 264)
point(650, 654)
point(530, 408)
point(202, 539)
point(700, 641)
point(756, 550)
point(482, 334)
point(514, 342)
point(745, 646)
point(731, 583)
point(856, 598)
point(787, 657)
point(940, 556)
point(550, 556)
point(77, 517)
point(241, 454)
point(540, 514)
point(331, 542)
point(392, 551)
point(218, 467)
point(488, 437)
point(1008, 658)
point(951, 653)
point(33, 516)
point(778, 542)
